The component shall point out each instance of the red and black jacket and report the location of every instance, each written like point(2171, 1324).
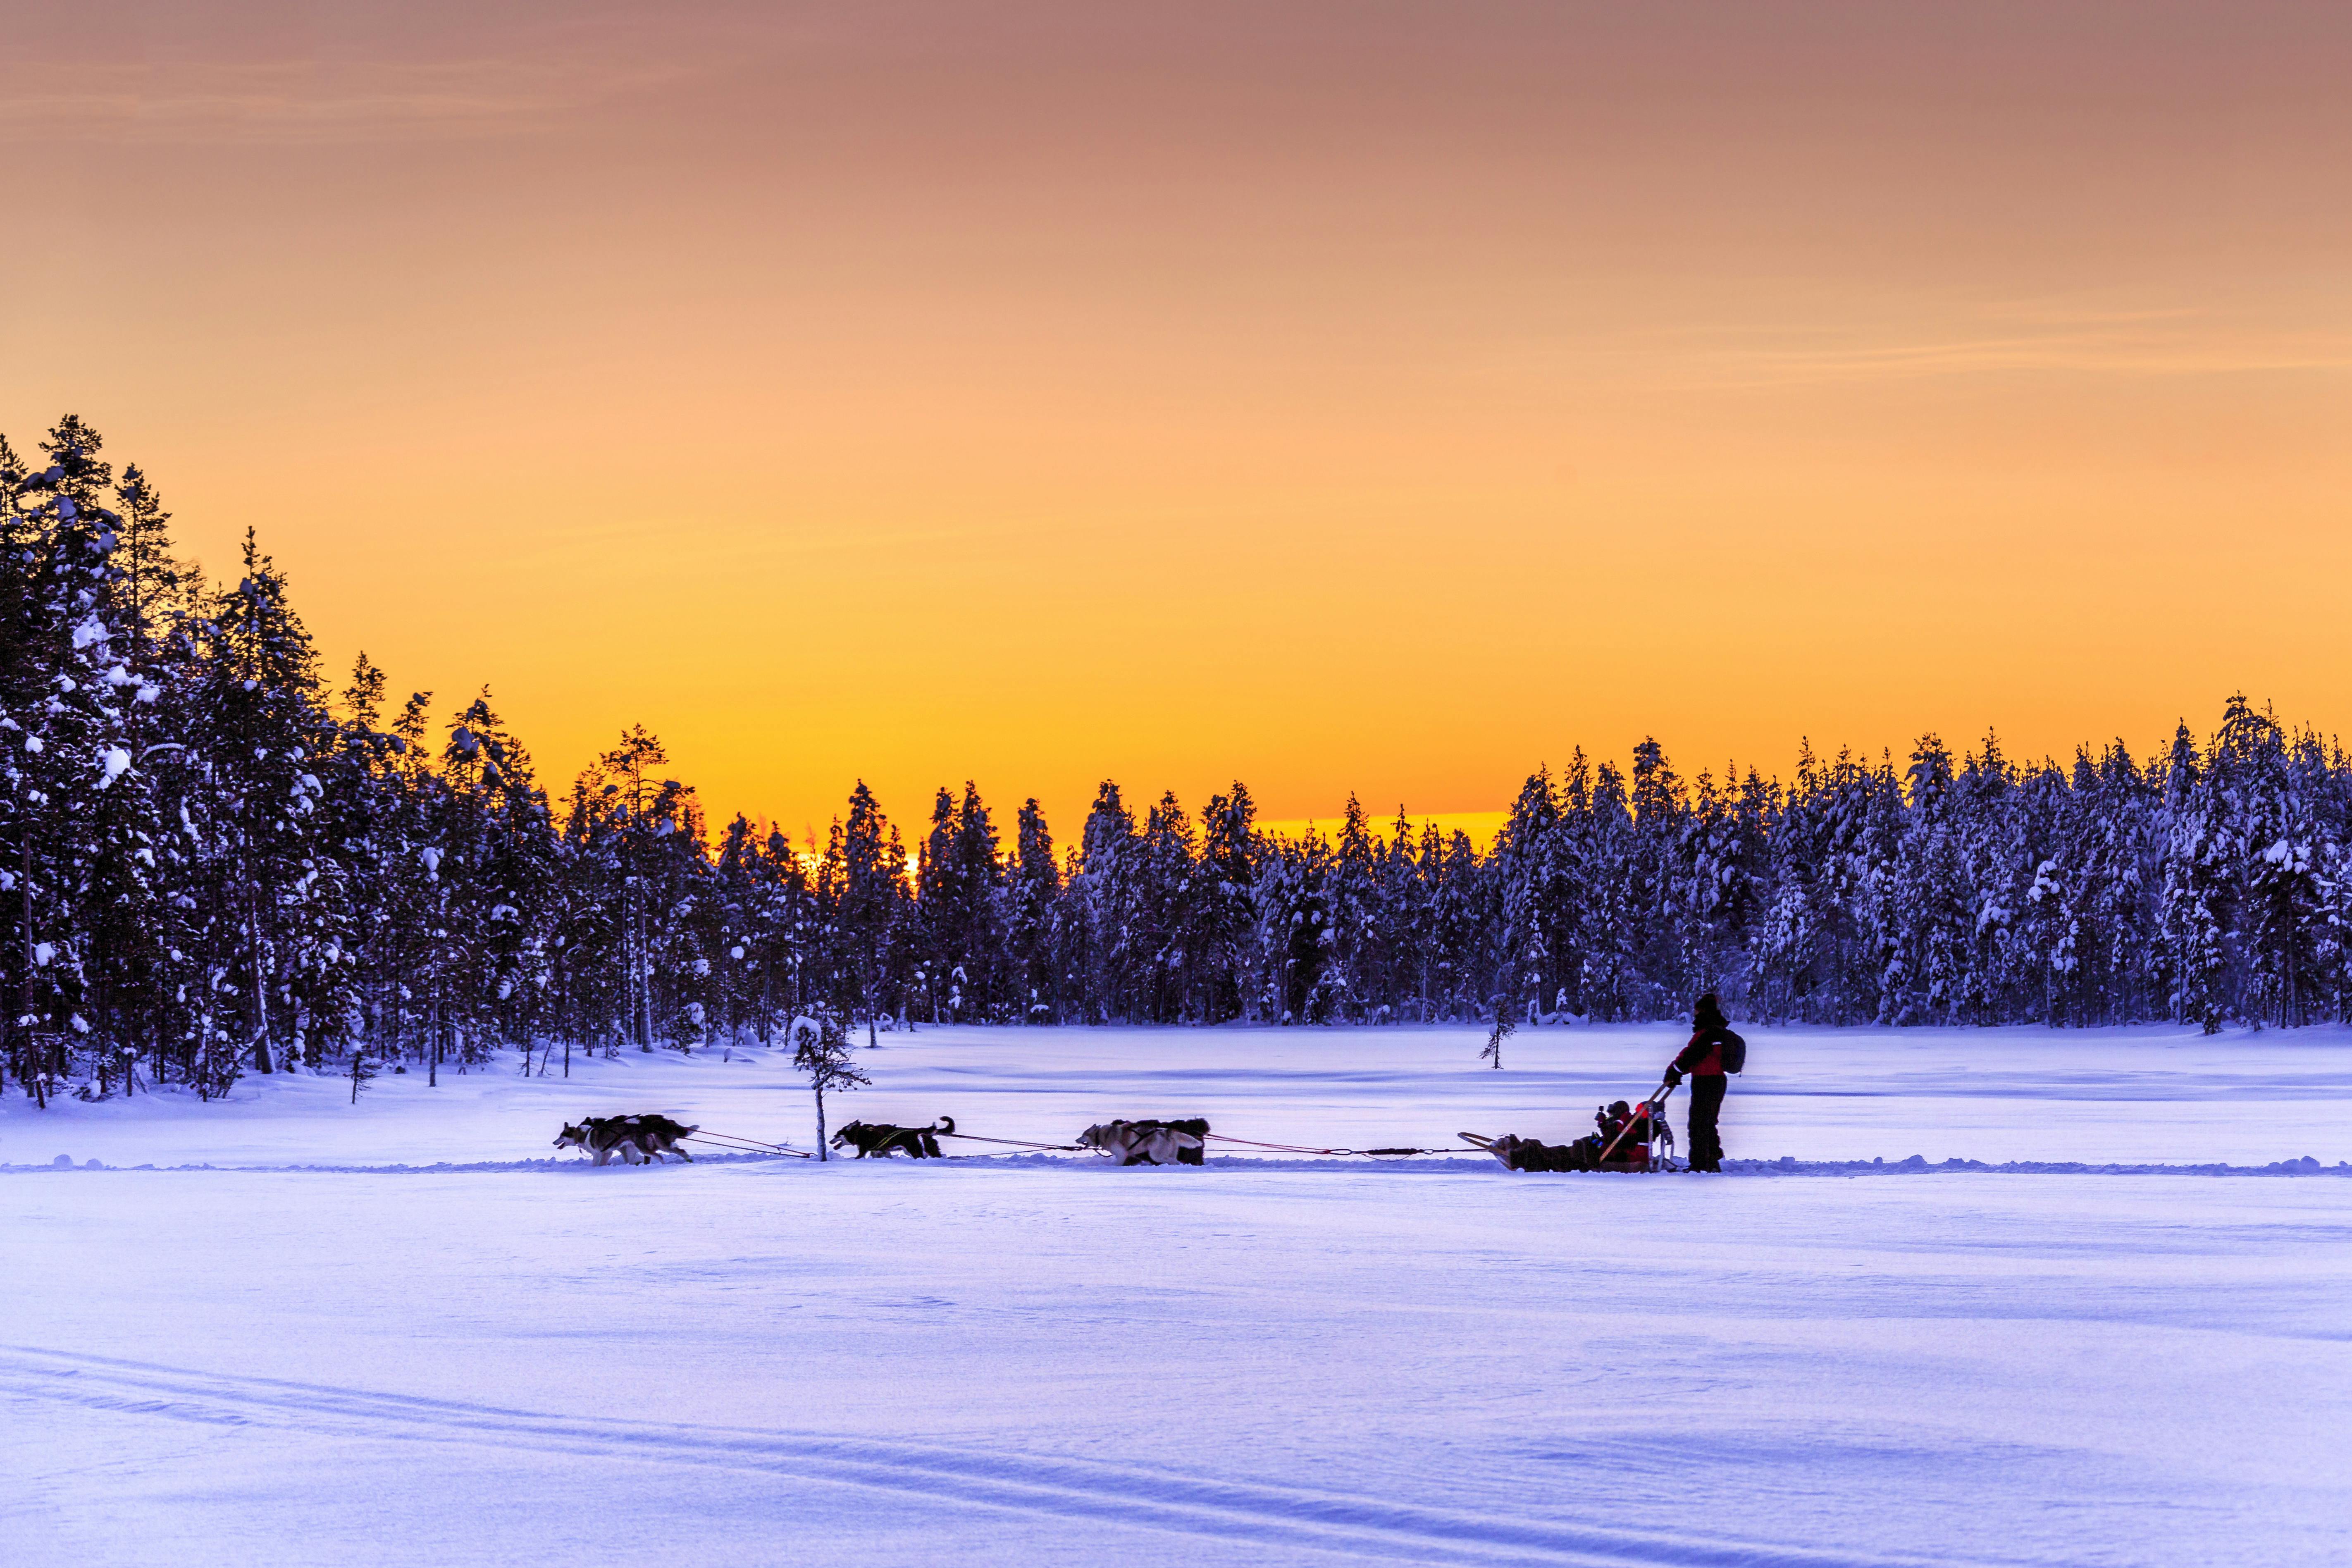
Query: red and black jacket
point(1703, 1057)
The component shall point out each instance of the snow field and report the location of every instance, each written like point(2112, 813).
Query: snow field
point(1004, 1361)
point(2142, 1096)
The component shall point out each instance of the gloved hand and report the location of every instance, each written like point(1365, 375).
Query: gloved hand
point(1673, 1078)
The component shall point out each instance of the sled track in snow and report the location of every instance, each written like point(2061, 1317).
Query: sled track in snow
point(1916, 1165)
point(1034, 1485)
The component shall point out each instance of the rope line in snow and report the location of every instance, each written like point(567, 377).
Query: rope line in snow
point(1018, 1143)
point(743, 1145)
point(1297, 1149)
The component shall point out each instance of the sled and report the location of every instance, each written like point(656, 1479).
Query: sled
point(1618, 1154)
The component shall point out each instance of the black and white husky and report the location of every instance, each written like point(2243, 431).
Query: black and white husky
point(874, 1141)
point(636, 1139)
point(1149, 1142)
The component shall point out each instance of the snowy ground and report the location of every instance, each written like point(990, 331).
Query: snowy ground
point(989, 1362)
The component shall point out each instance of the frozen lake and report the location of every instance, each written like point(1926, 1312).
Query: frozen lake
point(1000, 1362)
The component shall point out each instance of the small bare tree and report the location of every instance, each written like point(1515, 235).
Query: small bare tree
point(1502, 1031)
point(821, 1050)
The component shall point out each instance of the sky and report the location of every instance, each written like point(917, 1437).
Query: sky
point(1363, 396)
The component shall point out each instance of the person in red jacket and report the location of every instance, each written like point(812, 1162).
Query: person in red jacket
point(1702, 1062)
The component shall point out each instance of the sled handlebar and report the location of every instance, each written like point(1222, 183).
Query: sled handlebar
point(1652, 1108)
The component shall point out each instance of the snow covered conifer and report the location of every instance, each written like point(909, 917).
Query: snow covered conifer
point(1032, 892)
point(821, 1051)
point(271, 890)
point(1224, 906)
point(2196, 887)
point(1101, 896)
point(868, 888)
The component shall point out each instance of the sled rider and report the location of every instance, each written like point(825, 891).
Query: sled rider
point(1702, 1062)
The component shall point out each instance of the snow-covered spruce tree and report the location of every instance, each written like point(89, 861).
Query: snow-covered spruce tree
point(1160, 927)
point(1933, 917)
point(2197, 891)
point(2048, 927)
point(2274, 839)
point(1530, 855)
point(931, 936)
point(1886, 963)
point(1614, 986)
point(497, 867)
point(1784, 968)
point(1465, 923)
point(1227, 983)
point(760, 892)
point(82, 818)
point(2334, 791)
point(358, 813)
point(270, 926)
point(1356, 886)
point(960, 924)
point(821, 1050)
point(862, 886)
point(644, 834)
point(1655, 880)
point(1301, 932)
point(630, 792)
point(793, 927)
point(2121, 846)
point(587, 949)
point(1401, 930)
point(1756, 817)
point(1993, 841)
point(387, 808)
point(1716, 864)
point(1100, 900)
point(683, 932)
point(1032, 892)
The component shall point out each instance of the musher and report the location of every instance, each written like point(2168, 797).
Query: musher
point(1703, 1062)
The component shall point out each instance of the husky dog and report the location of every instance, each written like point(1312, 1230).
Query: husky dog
point(636, 1139)
point(1149, 1142)
point(883, 1141)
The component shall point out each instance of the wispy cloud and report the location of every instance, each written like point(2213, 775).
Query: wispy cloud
point(306, 100)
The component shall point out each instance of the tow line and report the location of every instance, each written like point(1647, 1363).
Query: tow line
point(1016, 1143)
point(743, 1145)
point(730, 1141)
point(1295, 1149)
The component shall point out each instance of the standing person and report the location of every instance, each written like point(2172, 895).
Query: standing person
point(1712, 1050)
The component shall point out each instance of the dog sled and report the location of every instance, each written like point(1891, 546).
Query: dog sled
point(1627, 1139)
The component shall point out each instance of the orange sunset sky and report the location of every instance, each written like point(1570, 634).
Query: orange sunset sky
point(1369, 395)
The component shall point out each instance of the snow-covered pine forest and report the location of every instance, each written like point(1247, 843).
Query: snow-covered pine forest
point(218, 864)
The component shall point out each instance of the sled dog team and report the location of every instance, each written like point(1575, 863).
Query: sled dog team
point(1714, 1051)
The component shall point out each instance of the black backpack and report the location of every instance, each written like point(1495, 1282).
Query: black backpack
point(1735, 1053)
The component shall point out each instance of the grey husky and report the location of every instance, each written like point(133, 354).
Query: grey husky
point(636, 1139)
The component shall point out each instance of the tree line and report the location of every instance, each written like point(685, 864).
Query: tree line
point(217, 864)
